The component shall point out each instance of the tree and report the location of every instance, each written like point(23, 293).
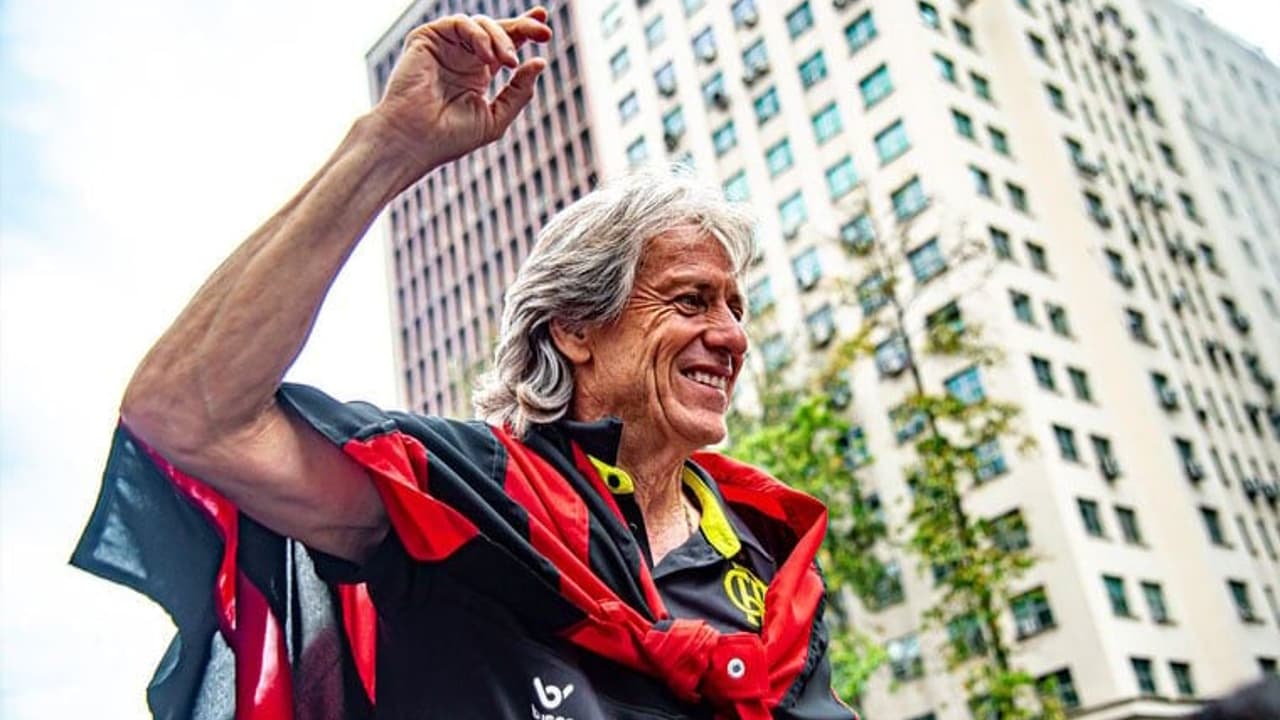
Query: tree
point(800, 431)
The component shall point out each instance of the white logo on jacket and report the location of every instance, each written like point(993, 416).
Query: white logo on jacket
point(549, 697)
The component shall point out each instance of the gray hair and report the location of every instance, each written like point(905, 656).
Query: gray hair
point(581, 271)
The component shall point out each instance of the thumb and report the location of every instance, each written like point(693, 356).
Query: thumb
point(516, 94)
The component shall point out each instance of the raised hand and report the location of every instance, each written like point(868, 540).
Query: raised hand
point(436, 103)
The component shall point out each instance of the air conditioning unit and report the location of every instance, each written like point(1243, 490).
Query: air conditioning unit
point(1168, 398)
point(667, 89)
point(840, 4)
point(1179, 299)
point(750, 19)
point(892, 365)
point(1241, 321)
point(1062, 29)
point(750, 75)
point(1101, 217)
point(672, 140)
point(1124, 277)
point(1271, 491)
point(1158, 199)
point(707, 54)
point(1251, 487)
point(1110, 467)
point(821, 334)
point(791, 233)
point(720, 100)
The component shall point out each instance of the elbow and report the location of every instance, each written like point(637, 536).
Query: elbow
point(170, 422)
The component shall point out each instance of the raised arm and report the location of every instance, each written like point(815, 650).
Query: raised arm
point(204, 396)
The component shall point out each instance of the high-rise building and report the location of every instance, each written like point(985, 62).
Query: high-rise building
point(1118, 161)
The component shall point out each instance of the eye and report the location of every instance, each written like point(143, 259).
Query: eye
point(691, 302)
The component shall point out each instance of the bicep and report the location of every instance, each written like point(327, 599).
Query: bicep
point(285, 474)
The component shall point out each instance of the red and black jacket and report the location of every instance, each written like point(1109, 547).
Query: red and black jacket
point(261, 636)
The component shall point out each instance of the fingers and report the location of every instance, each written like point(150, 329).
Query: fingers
point(503, 47)
point(516, 94)
point(473, 38)
point(529, 27)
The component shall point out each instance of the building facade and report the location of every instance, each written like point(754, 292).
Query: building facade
point(1118, 164)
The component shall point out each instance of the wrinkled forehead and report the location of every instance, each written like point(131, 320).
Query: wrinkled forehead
point(688, 248)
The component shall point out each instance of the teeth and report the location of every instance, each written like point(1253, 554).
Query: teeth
point(714, 381)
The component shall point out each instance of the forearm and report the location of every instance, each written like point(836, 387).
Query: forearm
point(216, 369)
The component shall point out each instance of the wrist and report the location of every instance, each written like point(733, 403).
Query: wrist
point(400, 161)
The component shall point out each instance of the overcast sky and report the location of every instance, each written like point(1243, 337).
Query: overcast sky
point(141, 140)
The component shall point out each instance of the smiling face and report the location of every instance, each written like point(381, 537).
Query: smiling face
point(667, 366)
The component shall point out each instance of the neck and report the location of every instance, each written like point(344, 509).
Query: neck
point(657, 474)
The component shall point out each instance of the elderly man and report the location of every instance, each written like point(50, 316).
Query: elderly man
point(577, 556)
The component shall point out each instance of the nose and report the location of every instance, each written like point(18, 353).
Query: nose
point(726, 334)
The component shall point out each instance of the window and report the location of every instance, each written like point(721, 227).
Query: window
point(800, 19)
point(887, 589)
point(767, 105)
point(821, 324)
point(1038, 46)
point(927, 261)
point(1058, 319)
point(1090, 517)
point(1038, 257)
point(1031, 613)
point(1043, 372)
point(1181, 673)
point(891, 355)
point(1017, 197)
point(981, 181)
point(929, 16)
point(1213, 526)
point(1117, 596)
point(990, 460)
point(793, 213)
point(981, 87)
point(860, 32)
point(725, 138)
point(1143, 674)
point(1056, 98)
point(760, 296)
point(966, 386)
point(841, 178)
point(1137, 324)
point(736, 188)
point(637, 152)
point(1080, 384)
point(966, 637)
point(999, 141)
point(1009, 532)
point(1000, 243)
point(713, 91)
point(907, 422)
point(1066, 439)
point(673, 125)
point(1022, 307)
point(1240, 597)
point(946, 68)
point(776, 351)
point(858, 234)
point(1128, 521)
point(813, 70)
point(611, 19)
point(871, 295)
point(665, 79)
point(963, 123)
point(827, 123)
point(755, 59)
point(778, 157)
point(963, 33)
point(1061, 686)
point(620, 62)
point(1266, 539)
point(892, 142)
point(904, 657)
point(806, 268)
point(908, 200)
point(655, 32)
point(745, 14)
point(1156, 606)
point(876, 85)
point(628, 107)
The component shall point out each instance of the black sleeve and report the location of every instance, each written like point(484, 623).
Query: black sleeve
point(812, 697)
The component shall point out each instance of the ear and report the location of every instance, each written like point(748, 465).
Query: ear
point(573, 343)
